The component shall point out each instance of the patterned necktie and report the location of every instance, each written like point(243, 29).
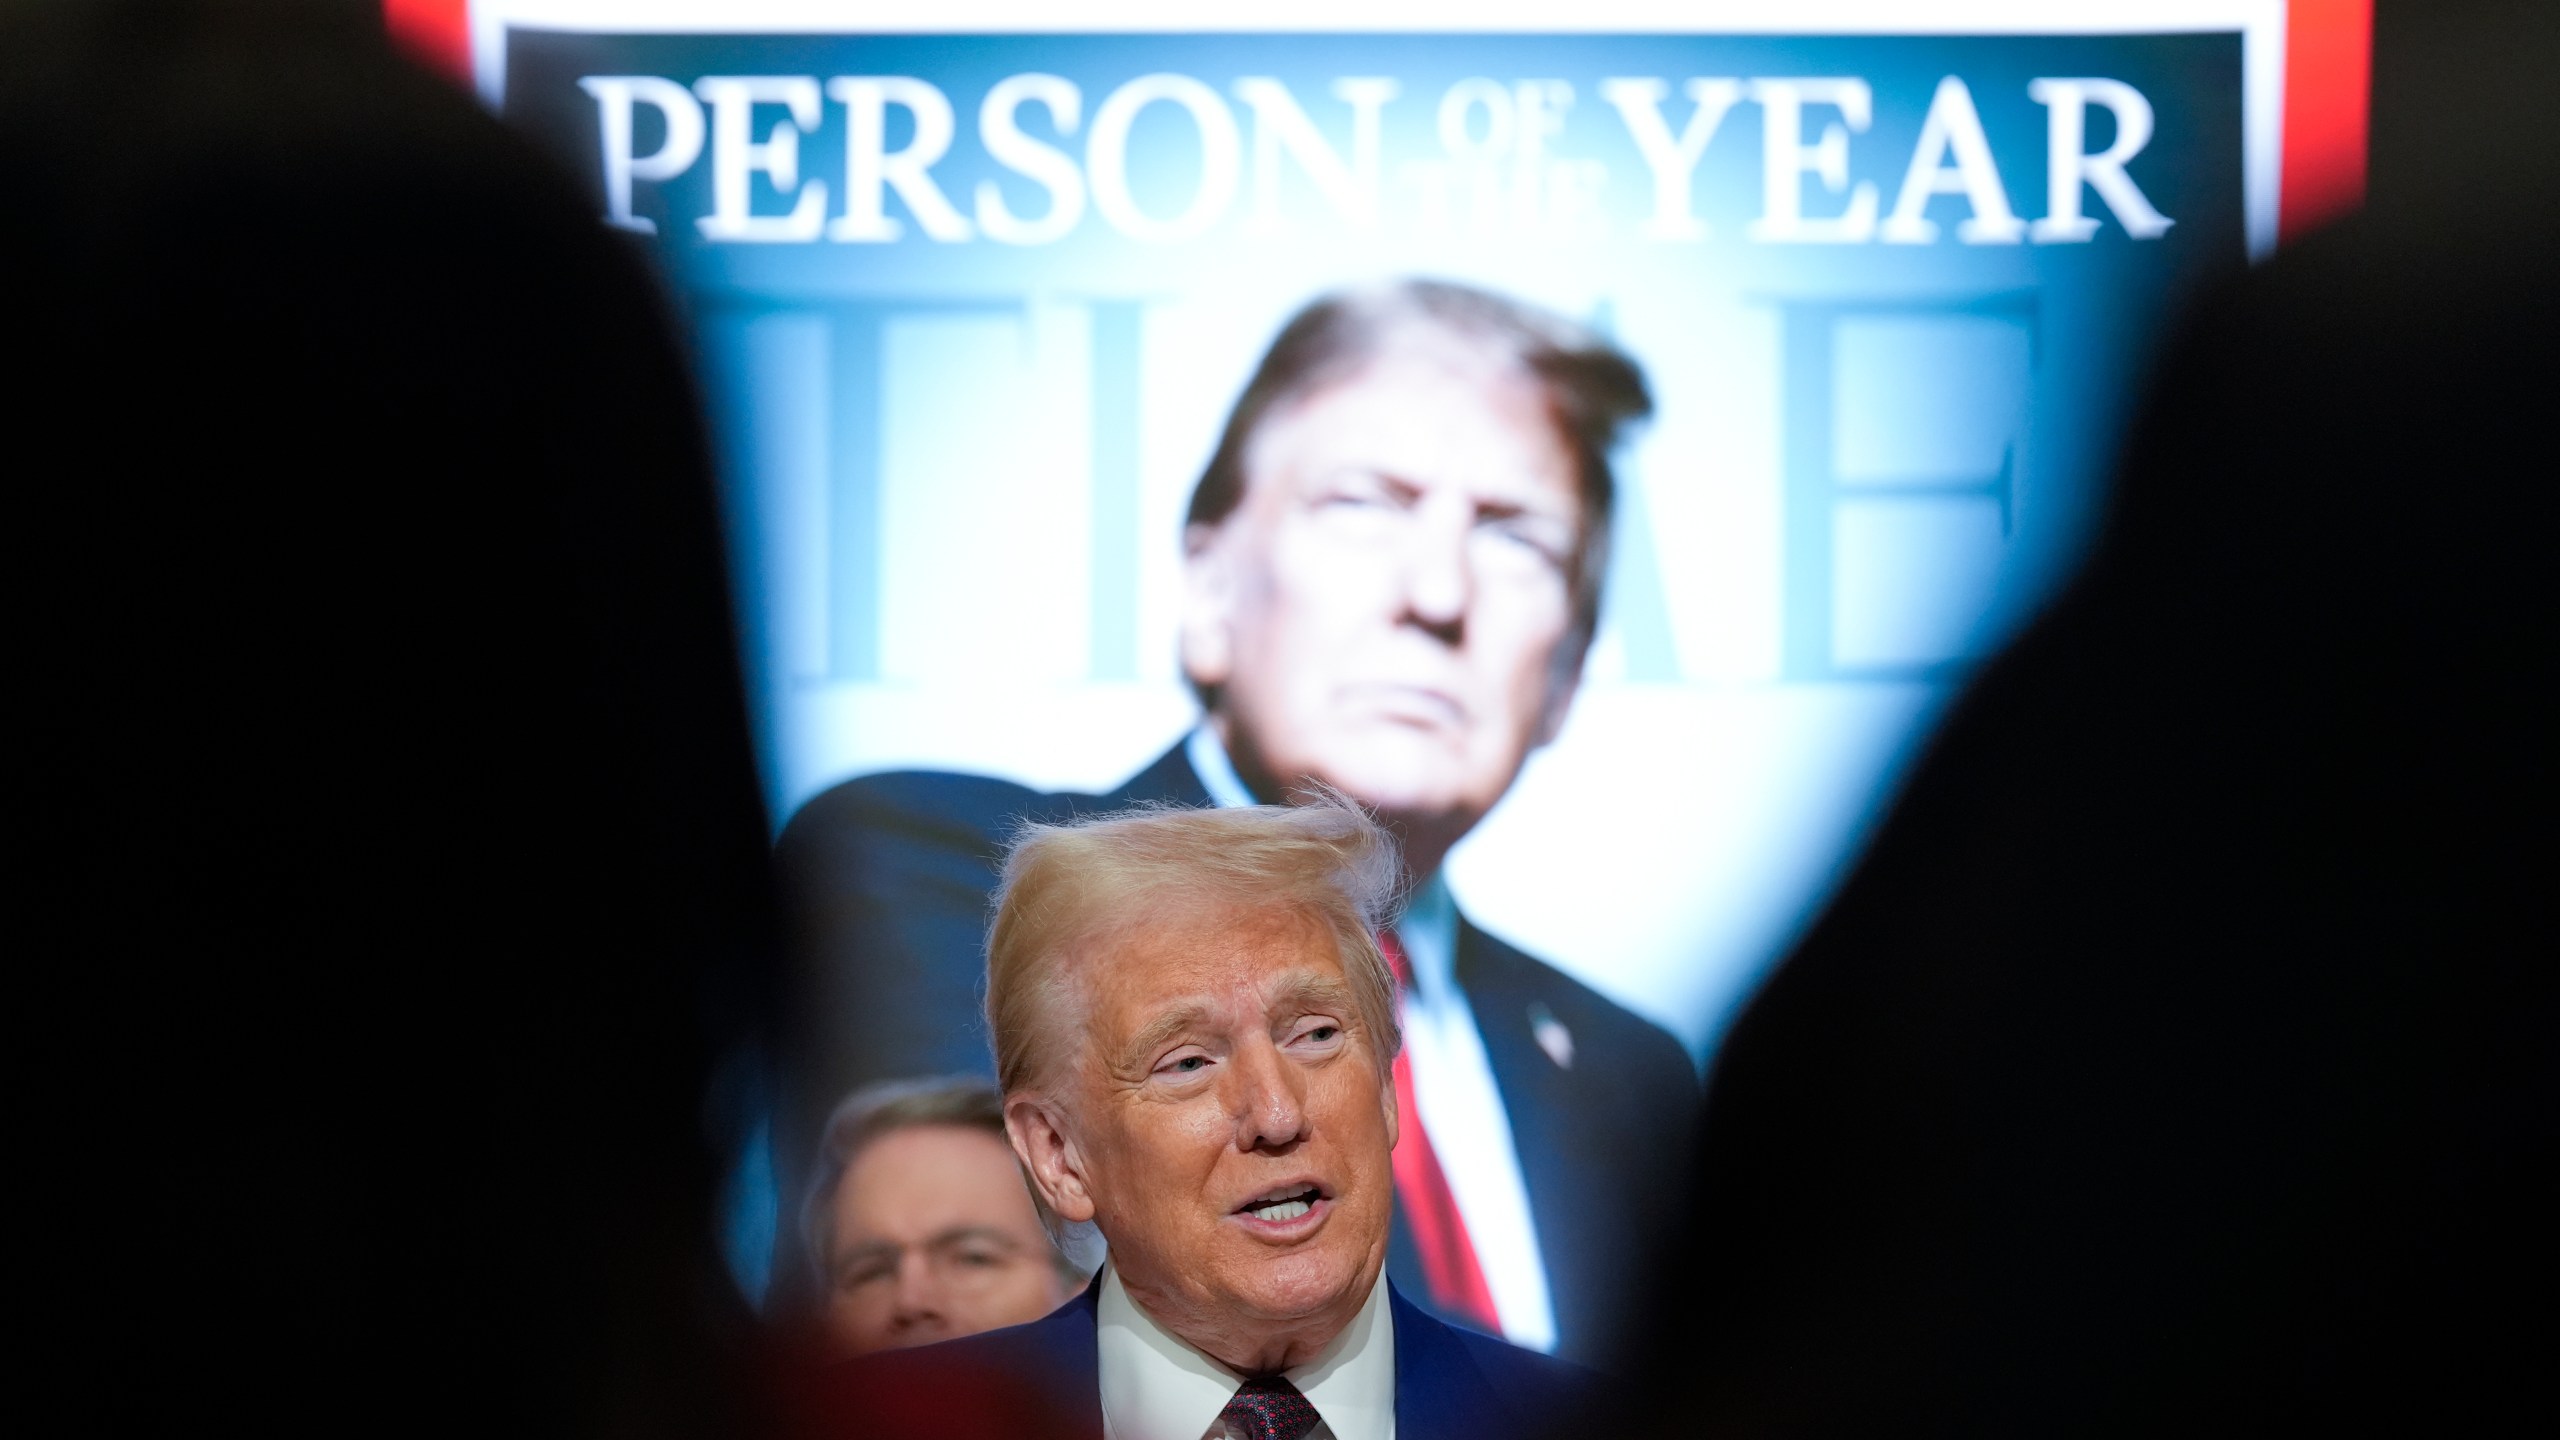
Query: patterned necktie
point(1449, 1266)
point(1268, 1407)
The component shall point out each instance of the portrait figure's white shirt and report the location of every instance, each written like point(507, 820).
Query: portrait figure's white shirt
point(1155, 1387)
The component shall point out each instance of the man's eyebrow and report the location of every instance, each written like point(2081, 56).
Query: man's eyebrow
point(1307, 991)
point(1404, 486)
point(1142, 1046)
point(984, 1234)
point(1296, 994)
point(864, 1253)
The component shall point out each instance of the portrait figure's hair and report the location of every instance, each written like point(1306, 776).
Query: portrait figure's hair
point(963, 1101)
point(1069, 891)
point(1593, 392)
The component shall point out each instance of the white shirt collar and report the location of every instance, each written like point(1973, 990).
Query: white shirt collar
point(1429, 927)
point(1429, 930)
point(1155, 1387)
point(1217, 773)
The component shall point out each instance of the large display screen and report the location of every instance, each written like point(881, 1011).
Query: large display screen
point(1612, 428)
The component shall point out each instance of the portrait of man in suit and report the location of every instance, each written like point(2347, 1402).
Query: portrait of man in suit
point(1195, 1033)
point(1393, 568)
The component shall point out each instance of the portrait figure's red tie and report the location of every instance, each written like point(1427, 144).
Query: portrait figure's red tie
point(1449, 1265)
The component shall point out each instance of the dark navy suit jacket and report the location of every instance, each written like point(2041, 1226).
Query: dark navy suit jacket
point(889, 878)
point(1450, 1382)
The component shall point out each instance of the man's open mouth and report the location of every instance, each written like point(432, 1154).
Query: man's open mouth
point(1283, 1205)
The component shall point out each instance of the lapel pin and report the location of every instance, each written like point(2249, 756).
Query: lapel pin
point(1551, 1035)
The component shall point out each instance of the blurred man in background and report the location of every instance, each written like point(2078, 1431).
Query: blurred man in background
point(1394, 564)
point(920, 1223)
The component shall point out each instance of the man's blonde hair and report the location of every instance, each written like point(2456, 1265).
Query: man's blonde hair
point(1069, 890)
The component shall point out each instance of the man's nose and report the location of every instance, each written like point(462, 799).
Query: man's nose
point(1439, 579)
point(919, 1298)
point(1271, 1113)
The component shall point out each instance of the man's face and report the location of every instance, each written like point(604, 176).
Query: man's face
point(1384, 609)
point(1228, 1124)
point(932, 1235)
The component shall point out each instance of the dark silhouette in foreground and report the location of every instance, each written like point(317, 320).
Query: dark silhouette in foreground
point(2180, 1058)
point(389, 855)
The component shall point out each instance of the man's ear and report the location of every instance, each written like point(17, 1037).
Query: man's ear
point(1208, 607)
point(1395, 1112)
point(1049, 1156)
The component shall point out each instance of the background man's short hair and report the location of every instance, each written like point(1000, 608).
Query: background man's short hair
point(1593, 392)
point(1069, 888)
point(966, 1101)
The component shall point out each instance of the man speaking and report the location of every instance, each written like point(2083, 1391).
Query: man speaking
point(1195, 1030)
point(1394, 564)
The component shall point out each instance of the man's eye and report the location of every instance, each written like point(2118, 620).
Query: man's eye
point(1324, 1032)
point(1188, 1063)
point(1529, 539)
point(1357, 490)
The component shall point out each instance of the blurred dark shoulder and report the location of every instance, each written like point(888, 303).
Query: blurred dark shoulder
point(946, 831)
point(973, 813)
point(2178, 1055)
point(1036, 1381)
point(385, 796)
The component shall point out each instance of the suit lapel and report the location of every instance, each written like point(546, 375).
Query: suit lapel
point(1440, 1390)
point(1067, 1349)
point(1535, 1095)
point(1169, 781)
